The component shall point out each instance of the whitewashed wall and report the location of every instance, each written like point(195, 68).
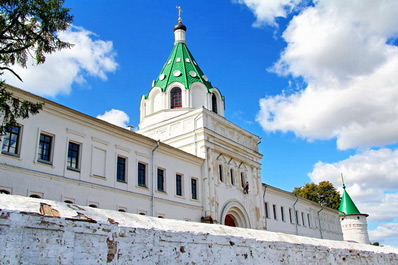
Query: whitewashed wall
point(95, 182)
point(324, 225)
point(37, 231)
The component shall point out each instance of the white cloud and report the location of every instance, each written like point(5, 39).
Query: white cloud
point(116, 117)
point(384, 234)
point(371, 179)
point(267, 10)
point(88, 57)
point(341, 50)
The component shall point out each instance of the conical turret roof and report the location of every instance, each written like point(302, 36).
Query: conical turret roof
point(347, 206)
point(181, 66)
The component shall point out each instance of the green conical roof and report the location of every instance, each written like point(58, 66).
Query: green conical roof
point(181, 67)
point(347, 206)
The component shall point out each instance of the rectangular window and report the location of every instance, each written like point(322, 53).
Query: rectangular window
point(308, 218)
point(194, 189)
point(266, 210)
point(141, 175)
point(178, 185)
point(274, 210)
point(11, 140)
point(297, 220)
point(290, 215)
point(73, 156)
point(160, 179)
point(282, 214)
point(302, 218)
point(45, 145)
point(121, 169)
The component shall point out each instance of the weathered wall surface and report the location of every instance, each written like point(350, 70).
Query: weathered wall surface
point(34, 231)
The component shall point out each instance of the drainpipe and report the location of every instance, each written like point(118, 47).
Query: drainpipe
point(295, 215)
point(319, 220)
point(153, 179)
point(265, 210)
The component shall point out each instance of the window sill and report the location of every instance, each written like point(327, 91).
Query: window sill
point(73, 169)
point(142, 187)
point(179, 196)
point(45, 162)
point(13, 155)
point(161, 191)
point(121, 181)
point(98, 177)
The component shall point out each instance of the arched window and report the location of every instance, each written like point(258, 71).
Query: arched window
point(175, 98)
point(220, 173)
point(214, 103)
point(242, 179)
point(232, 177)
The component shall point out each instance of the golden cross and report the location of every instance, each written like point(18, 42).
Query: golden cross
point(179, 14)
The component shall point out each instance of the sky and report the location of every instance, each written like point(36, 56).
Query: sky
point(317, 80)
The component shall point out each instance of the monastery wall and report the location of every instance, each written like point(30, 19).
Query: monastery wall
point(36, 231)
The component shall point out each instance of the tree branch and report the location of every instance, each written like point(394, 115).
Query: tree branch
point(12, 71)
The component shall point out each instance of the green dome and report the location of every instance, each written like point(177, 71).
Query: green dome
point(347, 206)
point(181, 67)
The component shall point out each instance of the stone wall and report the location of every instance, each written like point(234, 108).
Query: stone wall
point(35, 231)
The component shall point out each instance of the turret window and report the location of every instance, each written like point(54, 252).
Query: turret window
point(176, 101)
point(214, 103)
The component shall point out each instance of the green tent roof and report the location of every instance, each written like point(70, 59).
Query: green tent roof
point(347, 206)
point(181, 67)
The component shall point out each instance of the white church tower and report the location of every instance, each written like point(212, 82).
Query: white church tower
point(353, 223)
point(183, 109)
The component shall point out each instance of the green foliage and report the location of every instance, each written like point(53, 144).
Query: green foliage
point(12, 108)
point(27, 28)
point(324, 193)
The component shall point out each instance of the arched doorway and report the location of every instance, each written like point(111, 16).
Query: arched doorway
point(229, 220)
point(234, 214)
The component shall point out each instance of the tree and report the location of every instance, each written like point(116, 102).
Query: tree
point(28, 28)
point(323, 193)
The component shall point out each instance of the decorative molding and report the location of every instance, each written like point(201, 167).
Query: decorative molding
point(122, 148)
point(75, 132)
point(99, 140)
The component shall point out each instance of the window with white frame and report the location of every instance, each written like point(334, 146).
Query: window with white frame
point(161, 179)
point(121, 169)
point(274, 211)
point(11, 140)
point(194, 188)
point(73, 156)
point(179, 184)
point(45, 148)
point(141, 174)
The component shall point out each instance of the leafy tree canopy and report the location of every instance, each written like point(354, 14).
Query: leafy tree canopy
point(28, 28)
point(323, 193)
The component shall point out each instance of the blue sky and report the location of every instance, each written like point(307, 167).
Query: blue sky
point(316, 80)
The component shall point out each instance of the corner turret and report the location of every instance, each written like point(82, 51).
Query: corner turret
point(353, 222)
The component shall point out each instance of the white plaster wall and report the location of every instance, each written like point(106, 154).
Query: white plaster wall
point(24, 175)
point(328, 218)
point(81, 235)
point(198, 95)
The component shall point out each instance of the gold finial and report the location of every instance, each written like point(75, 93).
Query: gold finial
point(179, 14)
